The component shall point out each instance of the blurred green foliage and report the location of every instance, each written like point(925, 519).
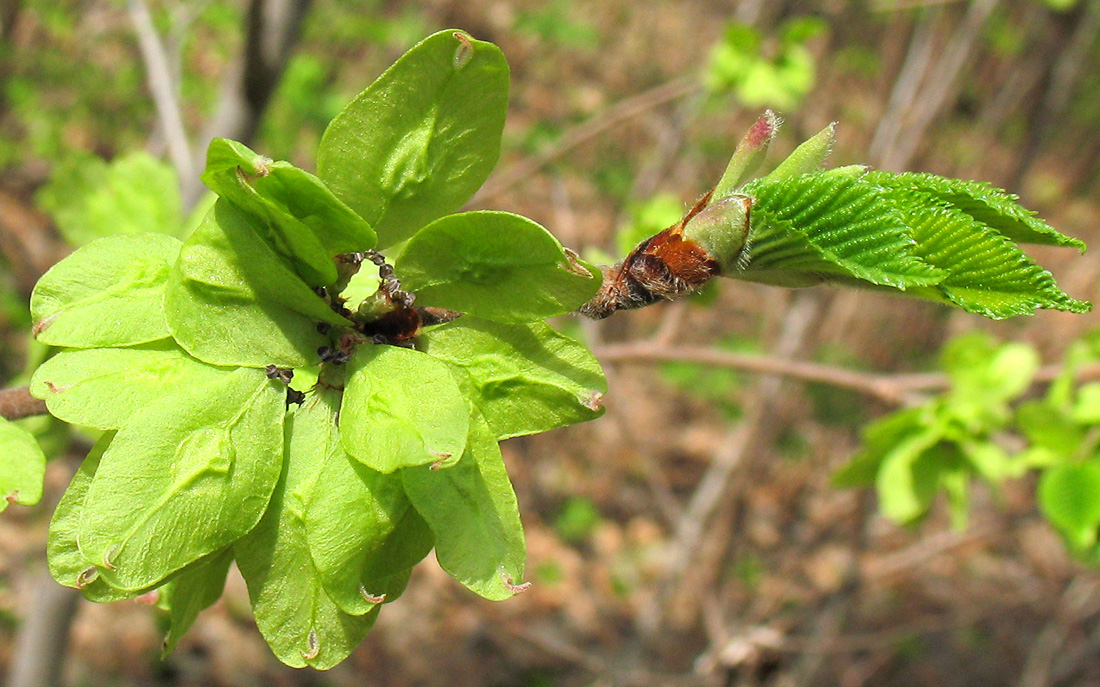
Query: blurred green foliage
point(578, 517)
point(775, 73)
point(553, 22)
point(943, 444)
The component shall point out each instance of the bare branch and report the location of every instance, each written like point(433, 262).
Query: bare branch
point(163, 88)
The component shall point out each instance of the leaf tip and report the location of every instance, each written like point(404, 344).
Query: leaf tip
point(41, 325)
point(87, 576)
point(510, 583)
point(593, 400)
point(110, 553)
point(465, 50)
point(763, 130)
point(313, 645)
point(574, 265)
point(371, 598)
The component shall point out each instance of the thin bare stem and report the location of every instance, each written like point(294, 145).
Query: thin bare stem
point(163, 88)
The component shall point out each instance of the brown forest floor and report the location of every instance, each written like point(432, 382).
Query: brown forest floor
point(789, 581)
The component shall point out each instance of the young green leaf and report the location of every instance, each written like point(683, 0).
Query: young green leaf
point(299, 216)
point(232, 301)
point(420, 140)
point(497, 266)
point(196, 588)
point(67, 565)
point(807, 157)
point(187, 475)
point(1086, 409)
point(986, 204)
point(852, 231)
point(879, 439)
point(1069, 496)
point(300, 622)
point(401, 408)
point(22, 466)
point(363, 534)
point(986, 273)
point(357, 521)
point(74, 383)
point(528, 378)
point(108, 293)
point(472, 510)
point(1050, 428)
point(910, 474)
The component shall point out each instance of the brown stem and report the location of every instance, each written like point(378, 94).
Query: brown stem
point(17, 402)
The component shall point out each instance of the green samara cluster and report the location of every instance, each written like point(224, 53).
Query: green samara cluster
point(268, 394)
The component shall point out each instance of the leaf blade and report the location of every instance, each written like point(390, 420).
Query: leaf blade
point(497, 266)
point(107, 293)
point(419, 141)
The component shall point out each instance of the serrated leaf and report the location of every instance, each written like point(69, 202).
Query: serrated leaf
point(472, 510)
point(420, 140)
point(133, 194)
point(986, 204)
point(528, 378)
point(362, 533)
point(187, 475)
point(108, 293)
point(232, 301)
point(497, 266)
point(986, 273)
point(189, 593)
point(822, 224)
point(300, 622)
point(401, 408)
point(300, 218)
point(22, 466)
point(74, 383)
point(67, 565)
point(1069, 496)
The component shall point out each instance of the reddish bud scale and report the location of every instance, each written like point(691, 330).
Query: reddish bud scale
point(663, 267)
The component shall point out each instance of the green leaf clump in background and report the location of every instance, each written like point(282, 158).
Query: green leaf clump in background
point(912, 455)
